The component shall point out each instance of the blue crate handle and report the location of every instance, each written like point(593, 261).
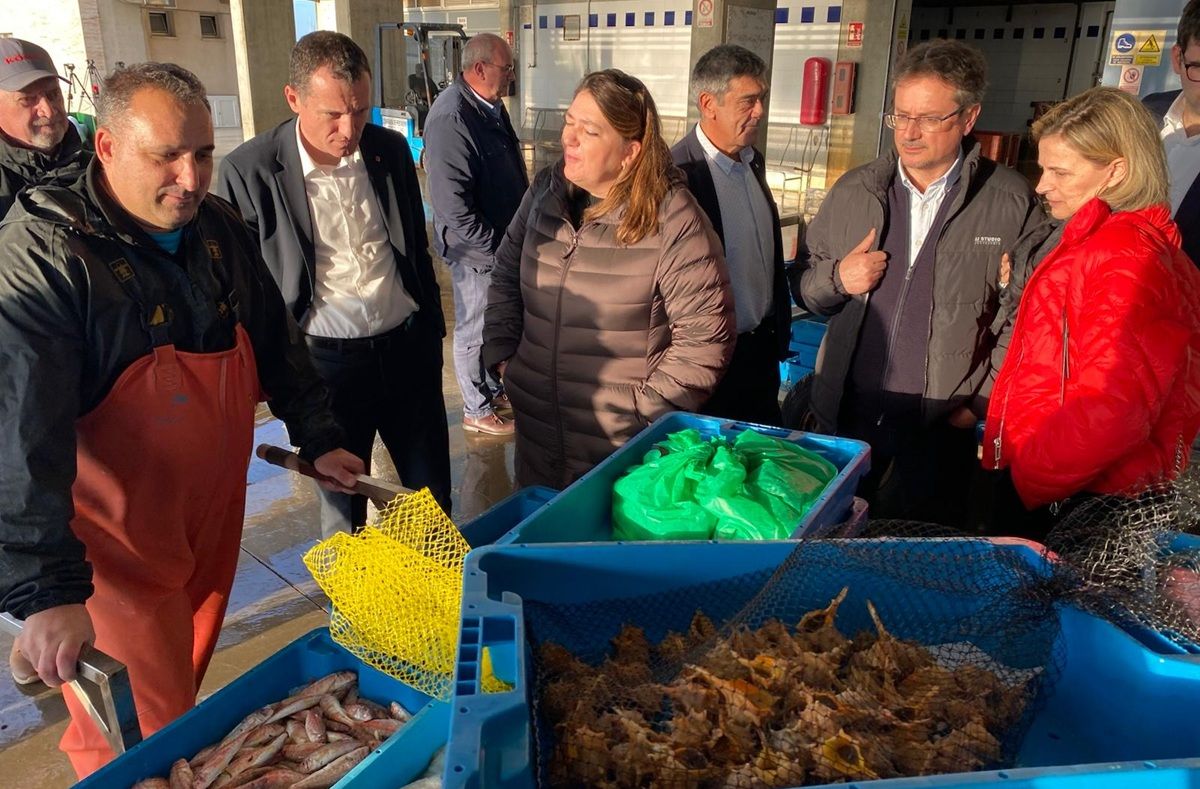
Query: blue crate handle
point(731, 427)
point(500, 625)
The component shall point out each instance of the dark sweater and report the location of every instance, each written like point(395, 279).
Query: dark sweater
point(888, 373)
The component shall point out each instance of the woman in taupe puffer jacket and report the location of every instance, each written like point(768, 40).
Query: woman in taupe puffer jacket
point(610, 302)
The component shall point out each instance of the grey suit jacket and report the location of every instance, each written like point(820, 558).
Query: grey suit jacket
point(263, 179)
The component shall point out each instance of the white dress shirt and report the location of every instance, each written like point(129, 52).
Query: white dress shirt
point(749, 240)
point(923, 207)
point(1183, 153)
point(358, 290)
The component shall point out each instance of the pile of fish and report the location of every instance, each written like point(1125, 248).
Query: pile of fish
point(775, 706)
point(310, 740)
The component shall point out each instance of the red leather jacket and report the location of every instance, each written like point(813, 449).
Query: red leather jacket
point(1100, 390)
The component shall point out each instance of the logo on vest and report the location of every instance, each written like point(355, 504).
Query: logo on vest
point(121, 270)
point(988, 241)
point(214, 249)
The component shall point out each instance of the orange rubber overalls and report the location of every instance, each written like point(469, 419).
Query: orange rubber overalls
point(159, 499)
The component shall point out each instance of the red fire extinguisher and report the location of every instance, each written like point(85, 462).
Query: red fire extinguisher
point(814, 95)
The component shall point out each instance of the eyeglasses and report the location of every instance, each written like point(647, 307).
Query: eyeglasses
point(927, 123)
point(510, 68)
point(1192, 70)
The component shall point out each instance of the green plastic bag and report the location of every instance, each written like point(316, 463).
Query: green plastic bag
point(690, 488)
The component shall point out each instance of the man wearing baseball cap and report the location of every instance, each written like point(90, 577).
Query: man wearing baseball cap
point(37, 143)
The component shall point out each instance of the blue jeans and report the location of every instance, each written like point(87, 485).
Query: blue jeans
point(478, 385)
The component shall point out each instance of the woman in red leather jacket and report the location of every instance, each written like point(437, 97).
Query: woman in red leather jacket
point(1100, 389)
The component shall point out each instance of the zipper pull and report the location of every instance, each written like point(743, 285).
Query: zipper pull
point(996, 452)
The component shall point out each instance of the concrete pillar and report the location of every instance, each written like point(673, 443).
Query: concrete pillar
point(358, 19)
point(858, 138)
point(327, 15)
point(114, 34)
point(510, 30)
point(264, 32)
point(748, 23)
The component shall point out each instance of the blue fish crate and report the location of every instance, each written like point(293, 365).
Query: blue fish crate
point(807, 333)
point(583, 511)
point(400, 759)
point(497, 522)
point(1119, 715)
point(792, 371)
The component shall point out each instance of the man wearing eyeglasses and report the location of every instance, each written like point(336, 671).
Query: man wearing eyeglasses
point(905, 255)
point(1179, 112)
point(476, 179)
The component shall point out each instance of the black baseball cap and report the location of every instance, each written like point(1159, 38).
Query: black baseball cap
point(23, 63)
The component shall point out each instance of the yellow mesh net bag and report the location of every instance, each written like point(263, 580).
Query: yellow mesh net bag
point(396, 589)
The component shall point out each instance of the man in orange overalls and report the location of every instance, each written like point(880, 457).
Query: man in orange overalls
point(139, 328)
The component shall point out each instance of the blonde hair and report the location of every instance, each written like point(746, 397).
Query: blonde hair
point(629, 109)
point(1103, 124)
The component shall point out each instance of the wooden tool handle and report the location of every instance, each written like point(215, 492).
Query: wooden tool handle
point(378, 490)
point(278, 456)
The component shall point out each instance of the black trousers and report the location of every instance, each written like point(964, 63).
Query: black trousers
point(390, 385)
point(749, 392)
point(918, 472)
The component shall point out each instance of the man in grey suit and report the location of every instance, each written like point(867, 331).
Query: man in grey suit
point(337, 208)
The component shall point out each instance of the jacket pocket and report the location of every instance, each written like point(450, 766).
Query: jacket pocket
point(615, 407)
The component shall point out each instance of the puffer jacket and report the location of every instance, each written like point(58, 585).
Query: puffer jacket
point(992, 208)
point(603, 338)
point(1101, 388)
point(22, 167)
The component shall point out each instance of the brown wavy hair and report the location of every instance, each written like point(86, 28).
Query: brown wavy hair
point(630, 110)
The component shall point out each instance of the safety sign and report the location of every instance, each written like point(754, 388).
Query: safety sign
point(1149, 53)
point(1136, 48)
point(1131, 79)
point(704, 13)
point(854, 34)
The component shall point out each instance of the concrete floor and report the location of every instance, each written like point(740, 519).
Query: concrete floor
point(265, 613)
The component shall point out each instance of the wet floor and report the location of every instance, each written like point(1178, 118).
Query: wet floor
point(274, 599)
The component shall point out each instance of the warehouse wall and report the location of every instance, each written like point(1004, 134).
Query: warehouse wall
point(1028, 48)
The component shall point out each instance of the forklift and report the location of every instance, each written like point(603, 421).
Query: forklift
point(432, 60)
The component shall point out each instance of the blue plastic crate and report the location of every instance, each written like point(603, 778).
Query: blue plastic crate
point(400, 759)
point(1115, 701)
point(806, 356)
point(807, 332)
point(791, 371)
point(583, 511)
point(494, 524)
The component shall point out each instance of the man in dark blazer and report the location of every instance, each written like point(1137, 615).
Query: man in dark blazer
point(338, 211)
point(1179, 113)
point(728, 178)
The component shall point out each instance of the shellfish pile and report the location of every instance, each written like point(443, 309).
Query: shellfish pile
point(776, 706)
